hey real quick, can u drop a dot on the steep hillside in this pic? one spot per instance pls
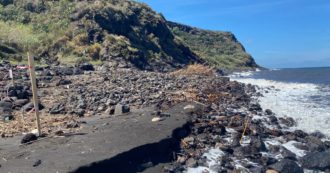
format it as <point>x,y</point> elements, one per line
<point>70,31</point>
<point>218,48</point>
<point>122,31</point>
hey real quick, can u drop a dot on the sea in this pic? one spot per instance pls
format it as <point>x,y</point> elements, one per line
<point>300,93</point>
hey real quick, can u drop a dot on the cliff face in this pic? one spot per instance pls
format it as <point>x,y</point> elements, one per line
<point>220,49</point>
<point>72,31</point>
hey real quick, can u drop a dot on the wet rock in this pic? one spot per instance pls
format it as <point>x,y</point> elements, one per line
<point>220,130</point>
<point>274,148</point>
<point>300,133</point>
<point>272,119</point>
<point>28,138</point>
<point>257,144</point>
<point>268,112</point>
<point>255,107</point>
<point>243,152</point>
<point>318,134</point>
<point>316,161</point>
<point>266,161</point>
<point>288,121</point>
<point>287,154</point>
<point>315,144</point>
<point>286,166</point>
<point>236,140</point>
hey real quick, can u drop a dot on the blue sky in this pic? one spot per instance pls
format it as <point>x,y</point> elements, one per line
<point>277,33</point>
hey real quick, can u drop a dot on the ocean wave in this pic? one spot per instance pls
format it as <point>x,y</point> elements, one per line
<point>294,100</point>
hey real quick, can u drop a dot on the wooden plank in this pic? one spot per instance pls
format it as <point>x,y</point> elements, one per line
<point>34,91</point>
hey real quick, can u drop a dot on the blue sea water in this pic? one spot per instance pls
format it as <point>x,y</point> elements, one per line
<point>301,93</point>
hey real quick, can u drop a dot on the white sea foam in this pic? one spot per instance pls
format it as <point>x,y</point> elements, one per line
<point>293,100</point>
<point>290,146</point>
<point>212,157</point>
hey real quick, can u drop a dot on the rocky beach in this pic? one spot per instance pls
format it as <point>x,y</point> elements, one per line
<point>121,89</point>
<point>217,112</point>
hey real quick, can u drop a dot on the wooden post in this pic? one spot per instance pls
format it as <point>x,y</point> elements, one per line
<point>11,76</point>
<point>34,91</point>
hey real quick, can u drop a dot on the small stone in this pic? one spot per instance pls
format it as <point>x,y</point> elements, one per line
<point>271,171</point>
<point>59,133</point>
<point>125,109</point>
<point>110,110</point>
<point>37,163</point>
<point>156,119</point>
<point>8,118</point>
<point>28,138</point>
<point>34,131</point>
<point>80,112</point>
<point>181,159</point>
<point>191,162</point>
<point>72,124</point>
<point>188,139</point>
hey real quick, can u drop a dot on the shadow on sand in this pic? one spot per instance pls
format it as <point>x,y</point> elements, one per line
<point>140,158</point>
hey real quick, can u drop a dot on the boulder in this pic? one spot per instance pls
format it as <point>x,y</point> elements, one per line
<point>286,166</point>
<point>63,82</point>
<point>257,144</point>
<point>316,161</point>
<point>287,154</point>
<point>28,107</point>
<point>20,102</point>
<point>28,138</point>
<point>5,107</point>
<point>268,112</point>
<point>86,67</point>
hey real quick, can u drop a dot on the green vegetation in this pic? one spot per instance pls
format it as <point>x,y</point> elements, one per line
<point>220,49</point>
<point>69,32</point>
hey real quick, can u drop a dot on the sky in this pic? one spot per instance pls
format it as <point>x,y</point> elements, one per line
<point>277,33</point>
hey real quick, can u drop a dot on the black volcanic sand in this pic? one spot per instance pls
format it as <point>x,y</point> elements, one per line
<point>123,143</point>
<point>108,142</point>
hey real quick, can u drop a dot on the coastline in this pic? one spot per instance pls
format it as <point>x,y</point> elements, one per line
<point>216,122</point>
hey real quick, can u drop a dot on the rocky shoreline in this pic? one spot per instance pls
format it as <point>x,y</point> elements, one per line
<point>223,108</point>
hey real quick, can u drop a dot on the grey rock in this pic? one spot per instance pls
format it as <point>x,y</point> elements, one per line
<point>28,138</point>
<point>125,109</point>
<point>57,109</point>
<point>287,154</point>
<point>287,166</point>
<point>37,163</point>
<point>191,162</point>
<point>317,161</point>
